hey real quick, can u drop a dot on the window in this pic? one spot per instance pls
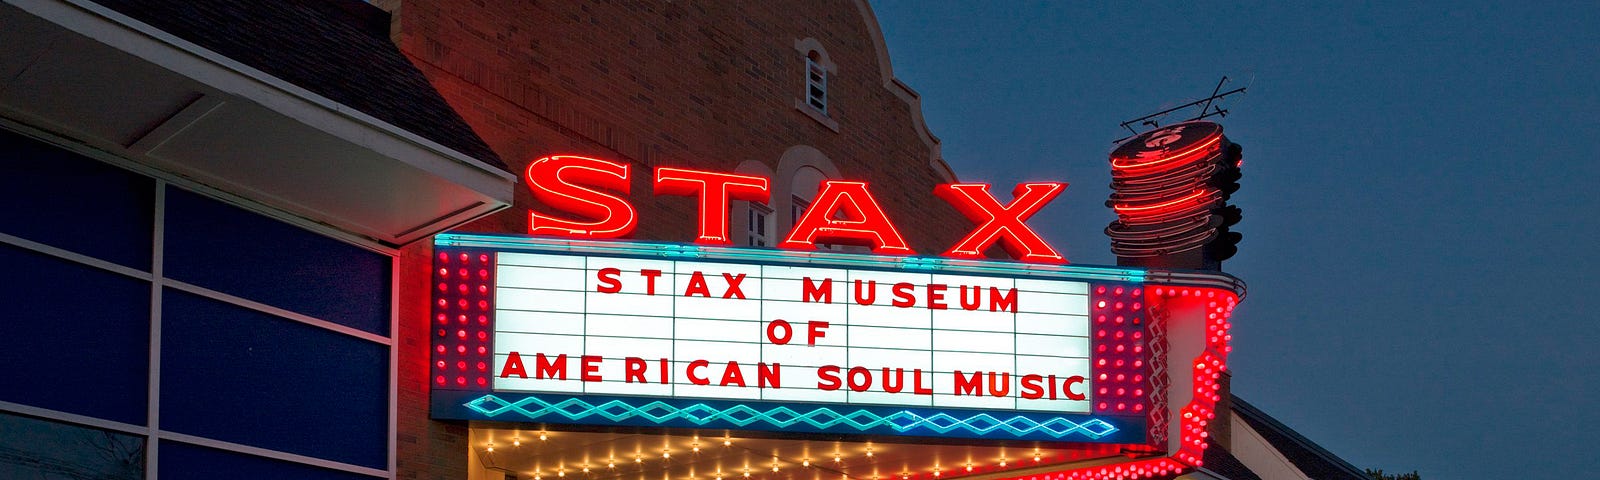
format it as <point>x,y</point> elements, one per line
<point>819,71</point>
<point>279,321</point>
<point>43,449</point>
<point>816,83</point>
<point>797,208</point>
<point>758,233</point>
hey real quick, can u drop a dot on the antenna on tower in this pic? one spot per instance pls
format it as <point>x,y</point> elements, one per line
<point>1207,109</point>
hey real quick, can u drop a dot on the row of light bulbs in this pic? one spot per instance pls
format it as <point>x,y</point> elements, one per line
<point>728,442</point>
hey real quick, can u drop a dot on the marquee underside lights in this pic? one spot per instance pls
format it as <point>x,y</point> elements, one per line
<point>591,198</point>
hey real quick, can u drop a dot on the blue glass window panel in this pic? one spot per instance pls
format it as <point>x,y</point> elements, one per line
<point>234,251</point>
<point>181,461</point>
<point>68,201</point>
<point>242,376</point>
<point>41,449</point>
<point>73,338</point>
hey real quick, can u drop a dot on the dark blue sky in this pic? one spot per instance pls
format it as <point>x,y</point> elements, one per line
<point>1421,218</point>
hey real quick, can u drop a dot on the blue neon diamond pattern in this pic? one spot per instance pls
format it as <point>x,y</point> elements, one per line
<point>781,416</point>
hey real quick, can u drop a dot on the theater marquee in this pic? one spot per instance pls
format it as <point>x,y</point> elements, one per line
<point>665,335</point>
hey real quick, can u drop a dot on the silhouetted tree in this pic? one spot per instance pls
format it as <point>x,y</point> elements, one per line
<point>1377,474</point>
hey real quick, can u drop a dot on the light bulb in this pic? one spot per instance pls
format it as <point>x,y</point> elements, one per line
<point>516,441</point>
<point>491,447</point>
<point>543,437</point>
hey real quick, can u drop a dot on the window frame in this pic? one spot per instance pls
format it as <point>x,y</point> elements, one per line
<point>151,431</point>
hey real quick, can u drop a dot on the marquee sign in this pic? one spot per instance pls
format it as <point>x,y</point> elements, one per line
<point>663,335</point>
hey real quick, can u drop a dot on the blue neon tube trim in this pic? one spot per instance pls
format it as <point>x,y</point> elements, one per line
<point>822,418</point>
<point>679,251</point>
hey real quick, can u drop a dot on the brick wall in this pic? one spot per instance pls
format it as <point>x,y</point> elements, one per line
<point>703,84</point>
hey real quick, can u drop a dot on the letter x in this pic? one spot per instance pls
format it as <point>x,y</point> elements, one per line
<point>1001,223</point>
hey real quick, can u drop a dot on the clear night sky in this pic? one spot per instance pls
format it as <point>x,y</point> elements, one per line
<point>1421,213</point>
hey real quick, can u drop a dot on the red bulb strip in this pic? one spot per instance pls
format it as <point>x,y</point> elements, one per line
<point>463,317</point>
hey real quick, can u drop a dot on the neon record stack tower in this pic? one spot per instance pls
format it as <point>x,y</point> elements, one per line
<point>1169,191</point>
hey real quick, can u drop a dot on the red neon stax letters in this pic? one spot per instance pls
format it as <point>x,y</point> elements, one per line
<point>714,189</point>
<point>1001,223</point>
<point>864,222</point>
<point>844,212</point>
<point>557,181</point>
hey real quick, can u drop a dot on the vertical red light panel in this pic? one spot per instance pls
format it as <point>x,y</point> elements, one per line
<point>463,316</point>
<point>1121,355</point>
<point>1206,369</point>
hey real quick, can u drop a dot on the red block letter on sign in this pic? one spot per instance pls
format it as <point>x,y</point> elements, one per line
<point>566,183</point>
<point>714,189</point>
<point>1001,223</point>
<point>864,222</point>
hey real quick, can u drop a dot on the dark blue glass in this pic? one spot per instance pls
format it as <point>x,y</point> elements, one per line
<point>230,250</point>
<point>62,199</point>
<point>184,461</point>
<point>73,338</point>
<point>243,376</point>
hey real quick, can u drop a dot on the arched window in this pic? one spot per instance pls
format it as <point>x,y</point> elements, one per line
<point>816,100</point>
<point>816,83</point>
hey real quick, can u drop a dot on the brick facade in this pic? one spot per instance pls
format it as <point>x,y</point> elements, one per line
<point>711,85</point>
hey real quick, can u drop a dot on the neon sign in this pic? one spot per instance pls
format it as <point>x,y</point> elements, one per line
<point>844,212</point>
<point>641,334</point>
<point>1164,192</point>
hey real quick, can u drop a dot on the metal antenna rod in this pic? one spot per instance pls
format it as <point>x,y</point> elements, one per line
<point>1212,97</point>
<point>1207,105</point>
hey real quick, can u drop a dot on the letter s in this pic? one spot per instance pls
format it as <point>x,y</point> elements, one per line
<point>564,182</point>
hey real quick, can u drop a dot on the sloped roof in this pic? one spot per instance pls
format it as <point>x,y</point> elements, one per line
<point>1313,460</point>
<point>338,49</point>
<point>1223,463</point>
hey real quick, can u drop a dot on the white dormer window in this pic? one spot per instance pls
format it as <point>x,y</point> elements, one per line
<point>816,83</point>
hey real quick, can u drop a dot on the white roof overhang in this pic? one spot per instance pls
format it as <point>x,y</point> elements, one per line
<point>91,75</point>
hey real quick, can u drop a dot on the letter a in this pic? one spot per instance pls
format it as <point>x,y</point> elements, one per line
<point>864,222</point>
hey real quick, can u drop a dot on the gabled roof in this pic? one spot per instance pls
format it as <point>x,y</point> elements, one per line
<point>1313,460</point>
<point>1220,461</point>
<point>338,49</point>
